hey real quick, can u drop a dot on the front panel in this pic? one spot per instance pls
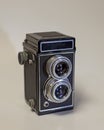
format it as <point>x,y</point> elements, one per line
<point>43,77</point>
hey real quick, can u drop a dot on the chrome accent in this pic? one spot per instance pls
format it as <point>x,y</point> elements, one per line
<point>30,61</point>
<point>46,104</point>
<point>52,85</point>
<point>31,103</point>
<point>53,61</point>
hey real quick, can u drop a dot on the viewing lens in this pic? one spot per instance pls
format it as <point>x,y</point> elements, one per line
<point>61,68</point>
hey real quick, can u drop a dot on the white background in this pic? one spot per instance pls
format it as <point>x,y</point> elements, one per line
<point>83,19</point>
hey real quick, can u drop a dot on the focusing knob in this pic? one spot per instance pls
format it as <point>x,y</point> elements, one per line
<point>22,57</point>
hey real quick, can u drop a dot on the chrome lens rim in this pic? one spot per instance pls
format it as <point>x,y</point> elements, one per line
<point>53,62</point>
<point>51,87</point>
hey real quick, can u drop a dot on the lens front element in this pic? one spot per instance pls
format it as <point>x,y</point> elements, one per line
<point>61,91</point>
<point>61,68</point>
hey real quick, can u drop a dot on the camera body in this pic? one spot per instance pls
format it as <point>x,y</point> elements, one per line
<point>49,62</point>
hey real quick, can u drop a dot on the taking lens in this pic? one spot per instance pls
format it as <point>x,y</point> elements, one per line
<point>57,90</point>
<point>61,91</point>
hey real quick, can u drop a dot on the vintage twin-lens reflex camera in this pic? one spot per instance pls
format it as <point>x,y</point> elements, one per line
<point>49,60</point>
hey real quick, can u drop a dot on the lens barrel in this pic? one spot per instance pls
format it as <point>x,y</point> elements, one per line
<point>59,67</point>
<point>57,91</point>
